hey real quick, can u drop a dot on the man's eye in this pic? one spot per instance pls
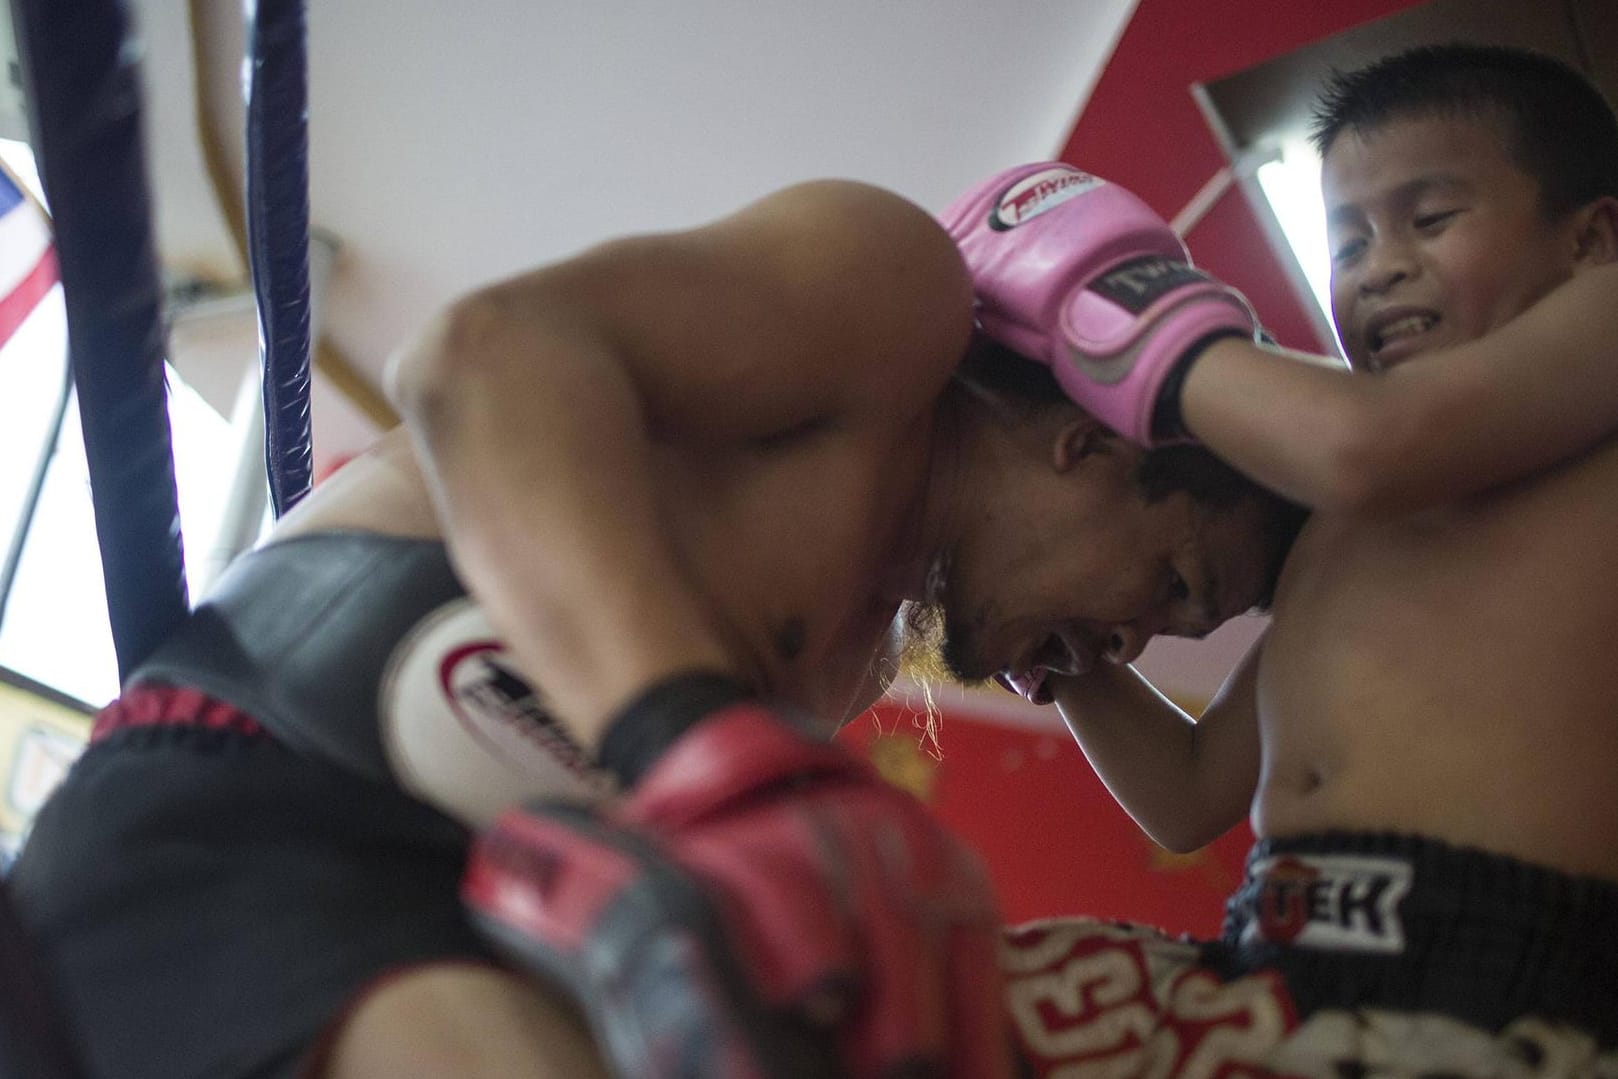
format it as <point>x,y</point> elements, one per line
<point>1179,591</point>
<point>1426,222</point>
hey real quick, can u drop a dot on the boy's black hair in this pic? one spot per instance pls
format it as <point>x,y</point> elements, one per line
<point>1558,127</point>
<point>1004,373</point>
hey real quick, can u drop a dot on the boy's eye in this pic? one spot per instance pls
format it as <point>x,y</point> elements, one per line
<point>1345,250</point>
<point>1431,221</point>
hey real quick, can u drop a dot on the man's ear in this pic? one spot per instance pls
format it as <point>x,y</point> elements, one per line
<point>1080,437</point>
<point>1596,233</point>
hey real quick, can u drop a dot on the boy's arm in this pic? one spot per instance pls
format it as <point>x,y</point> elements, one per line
<point>1081,275</point>
<point>1540,389</point>
<point>1185,781</point>
<point>539,408</point>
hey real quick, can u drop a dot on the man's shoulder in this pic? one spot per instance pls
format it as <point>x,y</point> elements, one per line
<point>817,305</point>
<point>854,235</point>
<point>861,209</point>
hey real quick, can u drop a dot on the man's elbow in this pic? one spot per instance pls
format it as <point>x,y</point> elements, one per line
<point>422,378</point>
<point>1183,838</point>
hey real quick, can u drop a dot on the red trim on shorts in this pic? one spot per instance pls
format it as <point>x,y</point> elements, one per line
<point>171,706</point>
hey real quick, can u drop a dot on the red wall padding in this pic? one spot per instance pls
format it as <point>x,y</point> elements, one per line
<point>1142,129</point>
<point>1055,841</point>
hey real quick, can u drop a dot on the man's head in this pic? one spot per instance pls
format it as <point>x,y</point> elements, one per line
<point>1462,183</point>
<point>1078,546</point>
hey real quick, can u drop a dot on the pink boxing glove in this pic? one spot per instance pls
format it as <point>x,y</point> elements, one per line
<point>1078,273</point>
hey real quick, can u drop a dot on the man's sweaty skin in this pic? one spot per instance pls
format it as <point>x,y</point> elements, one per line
<point>784,522</point>
<point>743,458</point>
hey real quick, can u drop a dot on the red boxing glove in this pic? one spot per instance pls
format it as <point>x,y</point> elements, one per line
<point>760,905</point>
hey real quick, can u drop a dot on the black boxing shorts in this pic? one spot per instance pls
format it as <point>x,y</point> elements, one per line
<point>1342,955</point>
<point>232,862</point>
<point>364,650</point>
<point>206,900</point>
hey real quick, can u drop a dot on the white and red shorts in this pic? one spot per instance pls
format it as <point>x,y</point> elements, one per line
<point>1342,955</point>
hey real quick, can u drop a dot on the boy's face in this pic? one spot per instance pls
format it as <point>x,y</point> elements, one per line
<point>1437,237</point>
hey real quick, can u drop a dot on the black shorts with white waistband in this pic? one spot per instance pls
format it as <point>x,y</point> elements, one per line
<point>208,901</point>
<point>1357,920</point>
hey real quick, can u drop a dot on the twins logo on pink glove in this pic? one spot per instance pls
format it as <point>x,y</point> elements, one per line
<point>1079,274</point>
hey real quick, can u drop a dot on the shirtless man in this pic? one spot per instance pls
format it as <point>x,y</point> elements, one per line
<point>1425,738</point>
<point>689,479</point>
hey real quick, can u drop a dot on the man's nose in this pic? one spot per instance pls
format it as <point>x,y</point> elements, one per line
<point>1127,641</point>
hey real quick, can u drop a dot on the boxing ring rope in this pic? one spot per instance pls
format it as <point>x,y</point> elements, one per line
<point>79,66</point>
<point>85,114</point>
<point>278,237</point>
<point>79,60</point>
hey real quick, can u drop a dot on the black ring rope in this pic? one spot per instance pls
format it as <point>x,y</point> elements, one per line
<point>79,66</point>
<point>79,63</point>
<point>278,237</point>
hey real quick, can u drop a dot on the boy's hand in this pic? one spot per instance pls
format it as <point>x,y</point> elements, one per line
<point>1080,274</point>
<point>760,905</point>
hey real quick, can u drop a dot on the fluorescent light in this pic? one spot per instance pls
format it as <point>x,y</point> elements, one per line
<point>1291,183</point>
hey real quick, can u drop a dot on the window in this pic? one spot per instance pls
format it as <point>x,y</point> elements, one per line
<point>55,629</point>
<point>1264,112</point>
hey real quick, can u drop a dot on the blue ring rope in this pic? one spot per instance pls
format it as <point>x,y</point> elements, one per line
<point>278,237</point>
<point>79,61</point>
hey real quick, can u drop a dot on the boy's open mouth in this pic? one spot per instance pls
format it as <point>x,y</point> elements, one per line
<point>1384,334</point>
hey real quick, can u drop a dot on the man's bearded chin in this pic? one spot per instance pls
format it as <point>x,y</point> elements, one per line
<point>937,647</point>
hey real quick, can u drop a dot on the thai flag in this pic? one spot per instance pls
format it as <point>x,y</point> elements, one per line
<point>27,259</point>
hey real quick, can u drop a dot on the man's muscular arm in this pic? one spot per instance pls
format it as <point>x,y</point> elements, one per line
<point>1538,390</point>
<point>1185,781</point>
<point>538,406</point>
<point>758,902</point>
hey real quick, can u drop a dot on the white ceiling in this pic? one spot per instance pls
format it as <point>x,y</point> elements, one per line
<point>455,143</point>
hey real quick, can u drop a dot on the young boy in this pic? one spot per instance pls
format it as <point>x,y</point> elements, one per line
<point>1425,739</point>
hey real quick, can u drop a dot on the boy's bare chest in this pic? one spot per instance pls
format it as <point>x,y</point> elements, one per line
<point>1536,550</point>
<point>1419,669</point>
